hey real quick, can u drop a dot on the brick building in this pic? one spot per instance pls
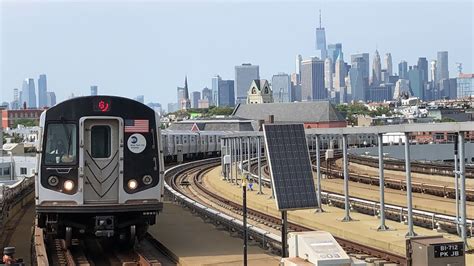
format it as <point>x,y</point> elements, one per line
<point>10,117</point>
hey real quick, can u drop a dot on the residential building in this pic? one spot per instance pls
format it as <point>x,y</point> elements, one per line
<point>281,87</point>
<point>203,103</point>
<point>244,75</point>
<point>94,90</point>
<point>465,85</point>
<point>259,92</point>
<point>42,91</point>
<point>402,89</point>
<point>312,80</point>
<point>215,89</point>
<point>448,88</point>
<point>28,94</point>
<point>15,104</point>
<point>195,97</point>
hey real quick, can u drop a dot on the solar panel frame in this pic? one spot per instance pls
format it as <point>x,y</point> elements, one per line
<point>290,166</point>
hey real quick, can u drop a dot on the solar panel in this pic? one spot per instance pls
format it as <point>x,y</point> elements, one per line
<point>290,167</point>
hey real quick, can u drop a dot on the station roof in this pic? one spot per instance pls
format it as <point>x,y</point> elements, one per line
<point>296,112</point>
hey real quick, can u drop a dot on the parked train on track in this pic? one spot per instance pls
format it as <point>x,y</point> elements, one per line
<point>100,169</point>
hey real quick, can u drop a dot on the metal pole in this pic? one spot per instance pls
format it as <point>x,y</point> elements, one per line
<point>236,159</point>
<point>456,183</point>
<point>241,160</point>
<point>347,216</point>
<point>382,226</point>
<point>462,175</point>
<point>284,230</point>
<point>248,154</point>
<point>244,216</point>
<point>318,172</point>
<point>259,165</point>
<point>410,232</point>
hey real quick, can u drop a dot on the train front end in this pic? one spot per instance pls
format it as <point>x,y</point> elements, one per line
<point>100,169</point>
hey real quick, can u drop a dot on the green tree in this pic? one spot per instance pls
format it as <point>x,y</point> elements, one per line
<point>26,122</point>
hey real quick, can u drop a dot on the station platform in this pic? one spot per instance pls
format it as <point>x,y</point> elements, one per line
<point>196,242</point>
<point>362,230</point>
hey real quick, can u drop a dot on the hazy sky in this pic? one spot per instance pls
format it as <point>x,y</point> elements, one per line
<point>129,48</point>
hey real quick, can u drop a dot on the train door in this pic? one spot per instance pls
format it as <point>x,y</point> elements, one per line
<point>101,154</point>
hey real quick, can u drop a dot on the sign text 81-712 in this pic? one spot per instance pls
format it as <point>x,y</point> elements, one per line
<point>448,250</point>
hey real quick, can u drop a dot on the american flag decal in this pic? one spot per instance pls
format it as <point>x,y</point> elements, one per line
<point>136,125</point>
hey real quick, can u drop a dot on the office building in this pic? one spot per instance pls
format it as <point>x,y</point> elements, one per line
<point>447,88</point>
<point>321,40</point>
<point>402,89</point>
<point>340,73</point>
<point>259,92</point>
<point>312,80</point>
<point>203,103</point>
<point>226,93</point>
<point>299,59</point>
<point>180,94</point>
<point>28,93</point>
<point>173,107</point>
<point>328,70</point>
<point>207,94</point>
<point>465,85</point>
<point>423,67</point>
<point>281,87</point>
<point>244,75</point>
<point>15,104</point>
<point>215,89</point>
<point>442,66</point>
<point>333,52</point>
<point>376,70</point>
<point>295,87</point>
<point>403,69</point>
<point>51,98</point>
<point>381,93</point>
<point>415,76</point>
<point>94,90</point>
<point>356,92</point>
<point>388,63</point>
<point>42,91</point>
<point>195,97</point>
<point>363,64</point>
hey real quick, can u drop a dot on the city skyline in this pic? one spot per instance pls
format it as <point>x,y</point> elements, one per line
<point>202,66</point>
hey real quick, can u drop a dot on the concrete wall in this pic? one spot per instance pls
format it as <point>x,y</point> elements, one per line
<point>428,152</point>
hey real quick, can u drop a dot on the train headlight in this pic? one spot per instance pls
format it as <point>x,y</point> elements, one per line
<point>53,180</point>
<point>147,179</point>
<point>68,185</point>
<point>132,184</point>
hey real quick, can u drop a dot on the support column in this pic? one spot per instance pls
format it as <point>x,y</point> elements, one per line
<point>347,216</point>
<point>259,165</point>
<point>456,183</point>
<point>318,172</point>
<point>410,232</point>
<point>241,160</point>
<point>382,226</point>
<point>236,161</point>
<point>248,154</point>
<point>462,199</point>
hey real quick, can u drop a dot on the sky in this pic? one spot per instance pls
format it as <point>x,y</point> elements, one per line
<point>131,48</point>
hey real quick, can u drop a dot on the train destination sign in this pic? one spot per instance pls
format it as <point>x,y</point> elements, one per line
<point>448,250</point>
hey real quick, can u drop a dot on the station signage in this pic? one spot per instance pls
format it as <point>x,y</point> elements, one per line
<point>448,250</point>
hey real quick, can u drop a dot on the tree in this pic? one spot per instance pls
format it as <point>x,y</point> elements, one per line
<point>26,122</point>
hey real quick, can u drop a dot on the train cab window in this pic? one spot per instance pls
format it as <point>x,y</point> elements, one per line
<point>100,141</point>
<point>61,140</point>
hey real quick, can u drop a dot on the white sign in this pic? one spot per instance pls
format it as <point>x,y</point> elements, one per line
<point>136,143</point>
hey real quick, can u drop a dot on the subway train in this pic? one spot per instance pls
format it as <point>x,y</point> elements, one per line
<point>100,169</point>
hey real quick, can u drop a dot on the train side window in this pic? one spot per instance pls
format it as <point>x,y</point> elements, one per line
<point>100,141</point>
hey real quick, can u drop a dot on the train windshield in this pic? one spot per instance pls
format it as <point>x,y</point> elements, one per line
<point>61,142</point>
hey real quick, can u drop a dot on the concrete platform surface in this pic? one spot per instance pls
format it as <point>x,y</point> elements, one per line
<point>362,230</point>
<point>196,242</point>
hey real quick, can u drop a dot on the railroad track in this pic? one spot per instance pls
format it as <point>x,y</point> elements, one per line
<point>191,175</point>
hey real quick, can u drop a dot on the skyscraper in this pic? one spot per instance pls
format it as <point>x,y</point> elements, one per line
<point>140,98</point>
<point>244,75</point>
<point>31,103</point>
<point>226,93</point>
<point>180,94</point>
<point>94,90</point>
<point>363,65</point>
<point>51,98</point>
<point>42,91</point>
<point>328,74</point>
<point>357,80</point>
<point>195,97</point>
<point>207,95</point>
<point>295,87</point>
<point>388,64</point>
<point>416,83</point>
<point>15,104</point>
<point>340,73</point>
<point>281,87</point>
<point>312,80</point>
<point>442,66</point>
<point>423,67</point>
<point>376,70</point>
<point>333,53</point>
<point>215,89</point>
<point>299,59</point>
<point>321,40</point>
<point>403,69</point>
